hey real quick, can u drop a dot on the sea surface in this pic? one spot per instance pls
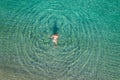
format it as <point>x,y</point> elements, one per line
<point>88,45</point>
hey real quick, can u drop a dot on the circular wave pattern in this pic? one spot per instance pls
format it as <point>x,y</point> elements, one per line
<point>78,44</point>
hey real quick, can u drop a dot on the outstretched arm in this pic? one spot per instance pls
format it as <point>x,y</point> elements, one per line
<point>50,36</point>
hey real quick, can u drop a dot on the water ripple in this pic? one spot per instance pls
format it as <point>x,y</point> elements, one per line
<point>79,48</point>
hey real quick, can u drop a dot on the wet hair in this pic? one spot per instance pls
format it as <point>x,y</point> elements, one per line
<point>55,34</point>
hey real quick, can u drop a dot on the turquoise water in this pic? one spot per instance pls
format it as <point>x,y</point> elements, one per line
<point>88,44</point>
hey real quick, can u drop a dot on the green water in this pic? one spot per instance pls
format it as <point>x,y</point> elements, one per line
<point>88,44</point>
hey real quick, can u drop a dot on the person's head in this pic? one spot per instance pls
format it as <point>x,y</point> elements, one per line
<point>55,34</point>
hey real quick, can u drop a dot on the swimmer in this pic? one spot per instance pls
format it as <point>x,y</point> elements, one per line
<point>54,37</point>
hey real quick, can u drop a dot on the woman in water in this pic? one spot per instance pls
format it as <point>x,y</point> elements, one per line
<point>54,38</point>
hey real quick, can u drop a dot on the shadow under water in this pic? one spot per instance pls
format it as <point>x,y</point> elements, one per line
<point>55,28</point>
